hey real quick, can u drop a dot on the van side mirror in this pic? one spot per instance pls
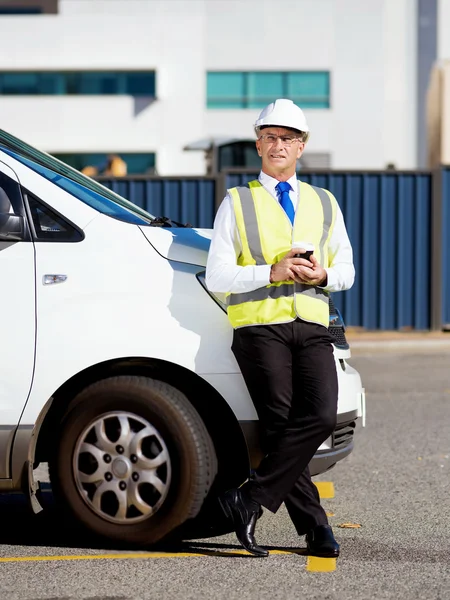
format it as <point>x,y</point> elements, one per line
<point>12,227</point>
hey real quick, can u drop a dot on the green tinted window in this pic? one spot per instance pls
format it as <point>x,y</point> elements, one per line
<point>256,89</point>
<point>263,88</point>
<point>311,90</point>
<point>225,90</point>
<point>135,83</point>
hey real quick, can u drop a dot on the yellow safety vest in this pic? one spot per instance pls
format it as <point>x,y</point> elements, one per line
<point>266,235</point>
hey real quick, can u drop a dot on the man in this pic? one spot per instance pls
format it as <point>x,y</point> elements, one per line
<point>278,307</point>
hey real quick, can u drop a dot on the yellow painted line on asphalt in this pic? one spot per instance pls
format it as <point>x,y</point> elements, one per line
<point>98,556</point>
<point>325,488</point>
<point>320,565</point>
<point>145,555</point>
<point>313,563</point>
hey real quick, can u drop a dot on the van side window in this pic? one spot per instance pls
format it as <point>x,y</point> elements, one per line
<point>11,191</point>
<point>50,226</point>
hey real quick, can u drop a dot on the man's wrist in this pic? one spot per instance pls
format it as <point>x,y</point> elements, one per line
<point>271,274</point>
<point>324,282</point>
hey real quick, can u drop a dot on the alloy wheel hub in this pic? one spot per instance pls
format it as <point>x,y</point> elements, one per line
<point>122,467</point>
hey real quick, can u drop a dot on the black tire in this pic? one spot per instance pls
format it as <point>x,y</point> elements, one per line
<point>192,459</point>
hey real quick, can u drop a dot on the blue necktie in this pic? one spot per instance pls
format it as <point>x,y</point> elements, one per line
<point>283,194</point>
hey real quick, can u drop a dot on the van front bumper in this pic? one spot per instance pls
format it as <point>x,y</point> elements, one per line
<point>338,446</point>
<point>324,460</point>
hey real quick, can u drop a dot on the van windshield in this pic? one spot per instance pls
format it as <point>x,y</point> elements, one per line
<point>74,182</point>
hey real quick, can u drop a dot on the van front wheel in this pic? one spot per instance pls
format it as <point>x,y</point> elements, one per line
<point>134,459</point>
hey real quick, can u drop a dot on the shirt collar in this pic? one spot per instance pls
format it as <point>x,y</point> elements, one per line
<point>270,182</point>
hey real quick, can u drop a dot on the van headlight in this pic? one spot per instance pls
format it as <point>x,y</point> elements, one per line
<point>218,298</point>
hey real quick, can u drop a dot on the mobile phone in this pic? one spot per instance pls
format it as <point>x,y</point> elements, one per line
<point>305,255</point>
<point>309,248</point>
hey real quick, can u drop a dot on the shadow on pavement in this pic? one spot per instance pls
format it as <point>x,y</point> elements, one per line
<point>212,549</point>
<point>22,527</point>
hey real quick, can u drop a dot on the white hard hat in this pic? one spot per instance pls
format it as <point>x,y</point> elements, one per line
<point>283,113</point>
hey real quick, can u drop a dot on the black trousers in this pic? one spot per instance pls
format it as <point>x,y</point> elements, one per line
<point>290,373</point>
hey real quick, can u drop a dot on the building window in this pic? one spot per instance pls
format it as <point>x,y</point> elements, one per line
<point>111,163</point>
<point>135,83</point>
<point>256,89</point>
<point>20,10</point>
<point>28,7</point>
<point>241,154</point>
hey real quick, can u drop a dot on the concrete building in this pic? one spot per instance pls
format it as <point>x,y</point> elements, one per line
<point>146,79</point>
<point>438,96</point>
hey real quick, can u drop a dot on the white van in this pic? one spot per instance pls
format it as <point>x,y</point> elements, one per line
<point>115,361</point>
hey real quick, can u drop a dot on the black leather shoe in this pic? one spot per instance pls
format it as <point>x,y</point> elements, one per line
<point>321,542</point>
<point>244,514</point>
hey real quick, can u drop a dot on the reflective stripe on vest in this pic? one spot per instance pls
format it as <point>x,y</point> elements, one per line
<point>266,236</point>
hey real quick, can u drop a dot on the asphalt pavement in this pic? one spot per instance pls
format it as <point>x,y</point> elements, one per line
<point>389,512</point>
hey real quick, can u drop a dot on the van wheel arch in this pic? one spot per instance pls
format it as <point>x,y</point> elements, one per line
<point>221,422</point>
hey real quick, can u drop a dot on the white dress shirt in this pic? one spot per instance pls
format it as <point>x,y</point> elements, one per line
<point>223,274</point>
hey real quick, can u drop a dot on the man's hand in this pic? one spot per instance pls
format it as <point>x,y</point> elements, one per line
<point>285,269</point>
<point>290,268</point>
<point>315,275</point>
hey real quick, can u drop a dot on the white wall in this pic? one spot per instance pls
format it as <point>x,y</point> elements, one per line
<point>358,84</point>
<point>368,48</point>
<point>160,39</point>
<point>445,115</point>
<point>263,34</point>
<point>443,49</point>
<point>399,53</point>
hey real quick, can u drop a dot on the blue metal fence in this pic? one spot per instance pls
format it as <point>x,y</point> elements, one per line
<point>183,199</point>
<point>389,221</point>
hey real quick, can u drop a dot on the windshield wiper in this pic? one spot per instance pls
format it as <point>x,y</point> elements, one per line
<point>166,222</point>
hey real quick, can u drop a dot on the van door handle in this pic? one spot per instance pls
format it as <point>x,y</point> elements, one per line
<point>53,278</point>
